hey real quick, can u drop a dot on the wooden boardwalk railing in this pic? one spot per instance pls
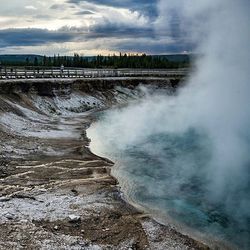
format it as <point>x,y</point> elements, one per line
<point>43,72</point>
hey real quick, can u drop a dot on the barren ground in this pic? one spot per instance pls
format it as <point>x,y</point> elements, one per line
<point>56,194</point>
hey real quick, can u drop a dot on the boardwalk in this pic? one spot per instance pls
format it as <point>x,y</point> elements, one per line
<point>42,72</point>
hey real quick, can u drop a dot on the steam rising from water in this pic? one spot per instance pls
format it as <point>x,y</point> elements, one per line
<point>215,103</point>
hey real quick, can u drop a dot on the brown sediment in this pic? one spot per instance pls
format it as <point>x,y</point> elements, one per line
<point>56,194</point>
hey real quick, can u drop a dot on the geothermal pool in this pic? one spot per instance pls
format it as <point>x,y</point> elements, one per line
<point>167,173</point>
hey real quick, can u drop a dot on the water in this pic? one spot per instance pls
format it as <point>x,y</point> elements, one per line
<point>166,172</point>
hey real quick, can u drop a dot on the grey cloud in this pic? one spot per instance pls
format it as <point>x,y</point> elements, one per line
<point>153,46</point>
<point>147,7</point>
<point>138,38</point>
<point>58,7</point>
<point>84,12</point>
<point>120,31</point>
<point>29,37</point>
<point>46,17</point>
<point>122,38</point>
<point>107,29</point>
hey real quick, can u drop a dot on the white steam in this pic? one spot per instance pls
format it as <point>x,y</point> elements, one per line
<point>215,100</point>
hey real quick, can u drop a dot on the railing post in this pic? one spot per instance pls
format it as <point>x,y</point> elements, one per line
<point>11,72</point>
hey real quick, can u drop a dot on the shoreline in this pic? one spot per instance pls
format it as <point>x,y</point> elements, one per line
<point>163,219</point>
<point>54,192</point>
<point>144,212</point>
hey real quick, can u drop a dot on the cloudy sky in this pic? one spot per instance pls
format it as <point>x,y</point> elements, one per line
<point>89,27</point>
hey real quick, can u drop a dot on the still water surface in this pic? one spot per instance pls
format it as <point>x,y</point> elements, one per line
<point>167,173</point>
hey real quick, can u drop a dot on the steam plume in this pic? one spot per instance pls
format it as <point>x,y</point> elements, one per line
<point>215,100</point>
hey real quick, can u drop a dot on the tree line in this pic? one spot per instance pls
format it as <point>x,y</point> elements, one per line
<point>112,61</point>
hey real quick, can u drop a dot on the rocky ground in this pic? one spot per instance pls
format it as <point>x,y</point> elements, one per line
<point>54,192</point>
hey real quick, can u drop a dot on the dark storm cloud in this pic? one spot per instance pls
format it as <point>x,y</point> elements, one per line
<point>122,35</point>
<point>30,37</point>
<point>147,7</point>
<point>136,39</point>
<point>109,29</point>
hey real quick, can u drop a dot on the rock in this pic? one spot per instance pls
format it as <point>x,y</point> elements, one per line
<point>9,216</point>
<point>74,192</point>
<point>74,218</point>
<point>24,221</point>
<point>43,190</point>
<point>56,227</point>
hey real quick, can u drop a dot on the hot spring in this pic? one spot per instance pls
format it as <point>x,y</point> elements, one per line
<point>168,171</point>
